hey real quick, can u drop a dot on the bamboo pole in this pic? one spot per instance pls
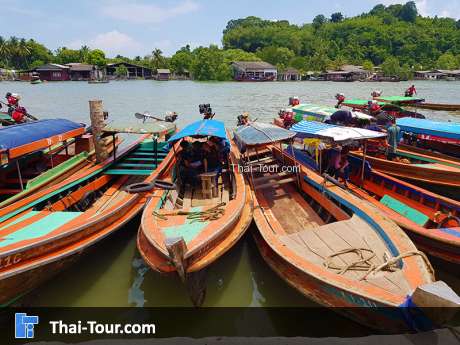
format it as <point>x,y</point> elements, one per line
<point>96,113</point>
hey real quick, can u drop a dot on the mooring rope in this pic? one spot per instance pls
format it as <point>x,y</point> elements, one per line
<point>364,264</point>
<point>210,214</point>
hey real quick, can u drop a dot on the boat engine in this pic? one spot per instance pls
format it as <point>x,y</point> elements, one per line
<point>293,101</point>
<point>206,111</point>
<point>376,93</point>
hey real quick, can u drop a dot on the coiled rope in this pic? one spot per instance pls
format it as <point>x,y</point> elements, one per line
<point>363,263</point>
<point>210,214</point>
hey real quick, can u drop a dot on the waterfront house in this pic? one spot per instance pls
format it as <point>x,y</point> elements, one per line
<point>348,73</point>
<point>53,72</point>
<point>437,74</point>
<point>134,71</point>
<point>163,74</point>
<point>81,71</point>
<point>254,71</point>
<point>289,74</point>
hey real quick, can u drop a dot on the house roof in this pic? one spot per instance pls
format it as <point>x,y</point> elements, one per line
<point>348,69</point>
<point>77,66</point>
<point>291,70</point>
<point>127,64</point>
<point>253,65</point>
<point>51,67</point>
<point>163,71</point>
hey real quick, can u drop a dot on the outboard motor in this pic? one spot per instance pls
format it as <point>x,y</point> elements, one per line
<point>376,93</point>
<point>206,111</point>
<point>171,116</point>
<point>293,101</point>
<point>340,97</point>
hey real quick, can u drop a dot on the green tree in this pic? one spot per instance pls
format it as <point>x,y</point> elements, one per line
<point>276,55</point>
<point>391,67</point>
<point>318,21</point>
<point>121,72</point>
<point>97,57</point>
<point>65,55</point>
<point>408,12</point>
<point>447,61</point>
<point>336,17</point>
<point>158,60</point>
<point>181,61</point>
<point>368,65</point>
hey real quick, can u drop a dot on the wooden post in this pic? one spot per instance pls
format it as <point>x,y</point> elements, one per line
<point>96,113</point>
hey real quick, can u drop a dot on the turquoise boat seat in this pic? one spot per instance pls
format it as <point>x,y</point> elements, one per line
<point>405,210</point>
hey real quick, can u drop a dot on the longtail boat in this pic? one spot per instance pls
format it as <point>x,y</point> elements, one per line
<point>44,232</point>
<point>391,109</point>
<point>438,106</point>
<point>337,249</point>
<point>417,167</point>
<point>37,154</point>
<point>187,228</point>
<point>400,100</point>
<point>314,112</point>
<point>432,221</point>
<point>443,137</point>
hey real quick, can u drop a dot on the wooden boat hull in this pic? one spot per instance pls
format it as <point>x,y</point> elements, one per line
<point>445,151</point>
<point>434,174</point>
<point>228,230</point>
<point>438,106</point>
<point>65,239</point>
<point>378,309</point>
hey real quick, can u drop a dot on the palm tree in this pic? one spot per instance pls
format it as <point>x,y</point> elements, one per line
<point>23,51</point>
<point>84,51</point>
<point>4,51</point>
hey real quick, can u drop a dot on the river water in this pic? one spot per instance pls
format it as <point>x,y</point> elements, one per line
<point>113,274</point>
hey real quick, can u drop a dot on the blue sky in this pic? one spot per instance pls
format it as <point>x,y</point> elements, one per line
<point>135,27</point>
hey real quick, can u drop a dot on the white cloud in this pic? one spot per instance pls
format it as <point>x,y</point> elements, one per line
<point>147,13</point>
<point>112,43</point>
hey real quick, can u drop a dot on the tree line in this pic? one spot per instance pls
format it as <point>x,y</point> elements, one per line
<point>394,37</point>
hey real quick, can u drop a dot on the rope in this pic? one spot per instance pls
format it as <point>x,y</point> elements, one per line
<point>211,214</point>
<point>363,263</point>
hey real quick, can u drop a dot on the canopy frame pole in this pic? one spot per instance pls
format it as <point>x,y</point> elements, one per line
<point>66,145</point>
<point>320,159</point>
<point>114,146</point>
<point>295,163</point>
<point>51,158</point>
<point>155,148</point>
<point>19,174</point>
<point>363,163</point>
<point>281,151</point>
<point>250,170</point>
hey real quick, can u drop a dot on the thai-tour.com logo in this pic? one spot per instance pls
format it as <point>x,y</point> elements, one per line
<point>24,325</point>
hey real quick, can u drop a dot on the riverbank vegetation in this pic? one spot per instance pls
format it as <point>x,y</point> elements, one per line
<point>394,37</point>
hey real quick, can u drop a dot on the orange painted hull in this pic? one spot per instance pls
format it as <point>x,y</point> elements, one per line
<point>214,241</point>
<point>321,285</point>
<point>34,260</point>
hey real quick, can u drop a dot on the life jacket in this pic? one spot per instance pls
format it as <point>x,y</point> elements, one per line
<point>374,108</point>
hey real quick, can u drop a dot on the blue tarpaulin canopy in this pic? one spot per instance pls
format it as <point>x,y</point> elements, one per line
<point>260,134</point>
<point>212,128</point>
<point>19,135</point>
<point>449,130</point>
<point>339,134</point>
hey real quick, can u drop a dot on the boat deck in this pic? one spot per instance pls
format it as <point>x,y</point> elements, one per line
<point>307,235</point>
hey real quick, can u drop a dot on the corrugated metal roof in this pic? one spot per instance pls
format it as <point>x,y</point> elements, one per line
<point>51,67</point>
<point>253,65</point>
<point>163,71</point>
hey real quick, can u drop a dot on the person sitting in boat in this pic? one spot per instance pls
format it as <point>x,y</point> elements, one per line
<point>338,165</point>
<point>341,117</point>
<point>393,138</point>
<point>340,97</point>
<point>184,162</point>
<point>411,91</point>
